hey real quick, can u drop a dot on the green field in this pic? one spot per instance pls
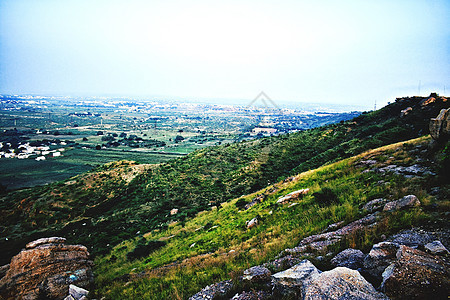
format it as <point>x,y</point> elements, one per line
<point>20,173</point>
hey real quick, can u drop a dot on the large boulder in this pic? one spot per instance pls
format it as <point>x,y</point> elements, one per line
<point>440,126</point>
<point>293,281</point>
<point>405,202</point>
<point>341,283</point>
<point>45,269</point>
<point>413,238</point>
<point>417,275</point>
<point>349,258</point>
<point>257,274</point>
<point>380,256</point>
<point>219,289</point>
<point>436,247</point>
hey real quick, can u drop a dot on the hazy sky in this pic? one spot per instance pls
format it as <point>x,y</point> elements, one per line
<point>352,52</point>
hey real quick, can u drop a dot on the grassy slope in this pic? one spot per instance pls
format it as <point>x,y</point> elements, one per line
<point>197,253</point>
<point>113,210</point>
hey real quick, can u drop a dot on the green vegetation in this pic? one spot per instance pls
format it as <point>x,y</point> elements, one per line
<point>107,206</point>
<point>216,244</point>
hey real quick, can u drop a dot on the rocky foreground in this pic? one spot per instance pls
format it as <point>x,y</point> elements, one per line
<point>412,264</point>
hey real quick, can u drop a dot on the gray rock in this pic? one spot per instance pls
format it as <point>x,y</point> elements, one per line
<point>69,298</point>
<point>375,204</point>
<point>219,289</point>
<point>350,258</point>
<point>292,281</point>
<point>436,247</point>
<point>252,295</point>
<point>380,256</point>
<point>405,202</point>
<point>417,275</point>
<point>282,263</point>
<point>257,274</point>
<point>77,292</point>
<point>341,283</point>
<point>412,237</point>
<point>320,242</point>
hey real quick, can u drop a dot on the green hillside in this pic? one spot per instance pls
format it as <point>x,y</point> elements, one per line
<point>176,262</point>
<point>122,200</point>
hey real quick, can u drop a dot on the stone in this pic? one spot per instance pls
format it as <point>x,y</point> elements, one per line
<point>405,202</point>
<point>349,258</point>
<point>282,263</point>
<point>291,196</point>
<point>341,283</point>
<point>45,270</point>
<point>252,295</point>
<point>173,211</point>
<point>3,270</point>
<point>380,256</point>
<point>405,111</point>
<point>257,274</point>
<point>293,280</point>
<point>417,275</point>
<point>252,223</point>
<point>375,204</point>
<point>436,247</point>
<point>44,241</point>
<point>77,292</point>
<point>320,242</point>
<point>412,237</point>
<point>219,289</point>
<point>440,126</point>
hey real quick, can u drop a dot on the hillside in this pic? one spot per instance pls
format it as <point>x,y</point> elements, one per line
<point>218,245</point>
<point>122,200</point>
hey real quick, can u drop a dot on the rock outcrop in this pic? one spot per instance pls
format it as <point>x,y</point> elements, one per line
<point>405,202</point>
<point>341,283</point>
<point>219,289</point>
<point>45,269</point>
<point>349,258</point>
<point>417,275</point>
<point>292,196</point>
<point>440,126</point>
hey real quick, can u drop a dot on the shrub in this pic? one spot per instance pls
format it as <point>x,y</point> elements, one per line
<point>144,248</point>
<point>240,204</point>
<point>325,196</point>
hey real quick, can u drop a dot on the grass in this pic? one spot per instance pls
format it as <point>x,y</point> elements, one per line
<point>216,245</point>
<point>20,173</point>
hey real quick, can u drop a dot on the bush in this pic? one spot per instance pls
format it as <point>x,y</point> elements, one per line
<point>240,204</point>
<point>144,248</point>
<point>325,196</point>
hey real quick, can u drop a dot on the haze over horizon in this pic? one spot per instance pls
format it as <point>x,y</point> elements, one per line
<point>338,52</point>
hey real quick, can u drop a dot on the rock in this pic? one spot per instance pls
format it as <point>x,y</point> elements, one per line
<point>405,111</point>
<point>257,274</point>
<point>44,241</point>
<point>77,292</point>
<point>252,295</point>
<point>411,237</point>
<point>341,283</point>
<point>292,196</point>
<point>252,223</point>
<point>320,242</point>
<point>46,269</point>
<point>380,256</point>
<point>375,204</point>
<point>417,275</point>
<point>173,211</point>
<point>405,202</point>
<point>440,126</point>
<point>427,101</point>
<point>219,289</point>
<point>282,263</point>
<point>350,258</point>
<point>293,281</point>
<point>3,270</point>
<point>436,247</point>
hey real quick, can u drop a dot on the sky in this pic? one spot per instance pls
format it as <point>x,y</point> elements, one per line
<point>340,52</point>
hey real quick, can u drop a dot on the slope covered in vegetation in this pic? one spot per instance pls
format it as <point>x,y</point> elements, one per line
<point>176,262</point>
<point>114,207</point>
